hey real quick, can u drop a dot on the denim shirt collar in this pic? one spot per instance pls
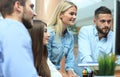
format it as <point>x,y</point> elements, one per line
<point>95,31</point>
<point>67,32</point>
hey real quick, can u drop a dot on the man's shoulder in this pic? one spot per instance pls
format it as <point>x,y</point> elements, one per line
<point>88,27</point>
<point>2,22</point>
<point>7,22</point>
<point>11,27</point>
<point>3,25</point>
<point>111,33</point>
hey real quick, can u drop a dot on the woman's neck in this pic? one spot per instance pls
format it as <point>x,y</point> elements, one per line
<point>64,27</point>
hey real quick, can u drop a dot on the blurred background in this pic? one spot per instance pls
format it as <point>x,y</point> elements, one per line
<point>85,13</point>
<point>85,16</point>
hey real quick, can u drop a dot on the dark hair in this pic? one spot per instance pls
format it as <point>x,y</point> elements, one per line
<point>39,49</point>
<point>6,6</point>
<point>102,10</point>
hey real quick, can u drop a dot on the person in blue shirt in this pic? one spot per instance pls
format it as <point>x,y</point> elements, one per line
<point>95,40</point>
<point>16,56</point>
<point>61,41</point>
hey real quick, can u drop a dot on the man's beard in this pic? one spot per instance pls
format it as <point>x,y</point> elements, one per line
<point>27,23</point>
<point>101,31</point>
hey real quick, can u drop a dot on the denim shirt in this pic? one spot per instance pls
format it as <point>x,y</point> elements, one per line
<point>89,45</point>
<point>57,50</point>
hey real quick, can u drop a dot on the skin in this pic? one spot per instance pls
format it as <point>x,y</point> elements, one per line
<point>28,14</point>
<point>103,24</point>
<point>46,36</point>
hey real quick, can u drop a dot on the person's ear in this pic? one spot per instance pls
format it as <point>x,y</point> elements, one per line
<point>94,21</point>
<point>17,6</point>
<point>61,15</point>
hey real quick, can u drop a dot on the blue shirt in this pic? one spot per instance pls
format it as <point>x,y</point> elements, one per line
<point>56,50</point>
<point>15,46</point>
<point>1,61</point>
<point>89,45</point>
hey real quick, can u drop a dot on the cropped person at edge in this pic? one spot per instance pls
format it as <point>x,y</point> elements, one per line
<point>95,40</point>
<point>15,41</point>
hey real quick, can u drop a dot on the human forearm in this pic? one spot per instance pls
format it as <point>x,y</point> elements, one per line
<point>71,73</point>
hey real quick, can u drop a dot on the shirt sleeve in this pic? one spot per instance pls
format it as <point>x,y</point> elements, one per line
<point>70,56</point>
<point>1,61</point>
<point>84,50</point>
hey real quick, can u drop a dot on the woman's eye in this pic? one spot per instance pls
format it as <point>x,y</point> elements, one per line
<point>72,13</point>
<point>45,30</point>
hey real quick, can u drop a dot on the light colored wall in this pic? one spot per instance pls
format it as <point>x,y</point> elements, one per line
<point>45,8</point>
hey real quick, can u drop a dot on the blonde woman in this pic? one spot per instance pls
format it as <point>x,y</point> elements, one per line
<point>61,41</point>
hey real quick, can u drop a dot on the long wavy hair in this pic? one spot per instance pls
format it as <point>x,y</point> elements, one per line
<point>55,21</point>
<point>39,49</point>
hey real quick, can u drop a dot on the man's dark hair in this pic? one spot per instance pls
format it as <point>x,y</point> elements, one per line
<point>102,10</point>
<point>6,6</point>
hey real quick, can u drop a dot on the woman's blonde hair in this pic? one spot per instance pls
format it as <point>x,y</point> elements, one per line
<point>55,21</point>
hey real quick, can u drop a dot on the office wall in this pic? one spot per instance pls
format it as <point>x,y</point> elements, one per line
<point>45,9</point>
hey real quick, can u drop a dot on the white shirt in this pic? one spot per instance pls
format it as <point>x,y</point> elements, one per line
<point>53,70</point>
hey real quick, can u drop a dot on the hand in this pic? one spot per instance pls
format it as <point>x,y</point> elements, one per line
<point>71,74</point>
<point>62,68</point>
<point>63,73</point>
